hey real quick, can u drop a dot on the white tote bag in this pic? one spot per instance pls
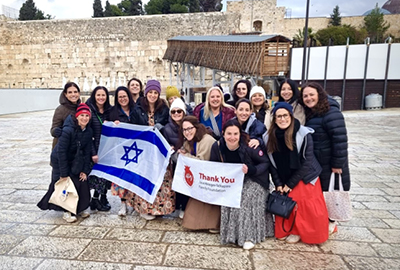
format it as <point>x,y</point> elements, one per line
<point>65,195</point>
<point>338,201</point>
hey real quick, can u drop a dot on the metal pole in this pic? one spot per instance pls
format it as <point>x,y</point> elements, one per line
<point>367,42</point>
<point>308,59</point>
<point>326,62</point>
<point>303,70</point>
<point>344,73</point>
<point>389,39</point>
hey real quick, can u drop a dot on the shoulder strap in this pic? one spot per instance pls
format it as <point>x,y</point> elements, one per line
<point>214,125</point>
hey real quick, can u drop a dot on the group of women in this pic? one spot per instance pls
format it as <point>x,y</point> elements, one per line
<point>300,143</point>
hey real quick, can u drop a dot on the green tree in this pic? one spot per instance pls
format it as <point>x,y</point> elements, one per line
<point>210,5</point>
<point>194,6</point>
<point>131,7</point>
<point>28,11</point>
<point>112,10</point>
<point>339,35</point>
<point>299,37</point>
<point>166,6</point>
<point>376,25</point>
<point>336,20</point>
<point>97,9</point>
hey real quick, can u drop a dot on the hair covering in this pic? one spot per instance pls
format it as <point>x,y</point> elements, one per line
<point>172,91</point>
<point>282,105</point>
<point>82,108</point>
<point>178,103</point>
<point>152,85</point>
<point>257,89</point>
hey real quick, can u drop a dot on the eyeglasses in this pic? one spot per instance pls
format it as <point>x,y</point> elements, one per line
<point>176,111</point>
<point>188,129</point>
<point>282,116</point>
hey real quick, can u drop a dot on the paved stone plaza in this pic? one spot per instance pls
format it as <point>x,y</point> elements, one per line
<point>34,239</point>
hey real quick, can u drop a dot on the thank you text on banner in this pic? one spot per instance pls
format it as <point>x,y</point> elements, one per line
<point>210,182</point>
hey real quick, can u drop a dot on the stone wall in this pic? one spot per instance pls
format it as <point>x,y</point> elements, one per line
<point>39,54</point>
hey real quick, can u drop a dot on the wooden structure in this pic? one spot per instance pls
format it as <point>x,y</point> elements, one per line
<point>253,55</point>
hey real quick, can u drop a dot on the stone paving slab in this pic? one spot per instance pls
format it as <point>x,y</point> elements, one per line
<point>35,239</point>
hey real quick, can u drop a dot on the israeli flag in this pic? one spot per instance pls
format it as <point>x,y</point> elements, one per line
<point>133,157</point>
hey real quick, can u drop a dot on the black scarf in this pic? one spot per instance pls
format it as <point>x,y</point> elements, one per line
<point>286,161</point>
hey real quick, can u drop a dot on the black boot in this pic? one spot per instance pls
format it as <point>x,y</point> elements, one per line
<point>104,201</point>
<point>95,204</point>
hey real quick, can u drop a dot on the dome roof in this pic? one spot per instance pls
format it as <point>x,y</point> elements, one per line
<point>384,11</point>
<point>393,6</point>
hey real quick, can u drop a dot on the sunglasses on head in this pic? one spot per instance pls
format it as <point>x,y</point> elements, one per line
<point>176,111</point>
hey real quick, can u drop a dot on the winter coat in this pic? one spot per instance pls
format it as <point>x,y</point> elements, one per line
<point>140,116</point>
<point>96,123</point>
<point>171,133</point>
<point>227,113</point>
<point>298,112</point>
<point>116,113</point>
<point>310,168</point>
<point>203,148</point>
<point>64,152</point>
<point>65,109</point>
<point>255,129</point>
<point>256,160</point>
<point>330,144</point>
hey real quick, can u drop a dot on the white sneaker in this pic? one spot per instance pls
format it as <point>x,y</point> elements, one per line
<point>332,227</point>
<point>85,214</point>
<point>213,231</point>
<point>122,210</point>
<point>292,239</point>
<point>69,218</point>
<point>181,214</point>
<point>248,245</point>
<point>282,238</point>
<point>147,216</point>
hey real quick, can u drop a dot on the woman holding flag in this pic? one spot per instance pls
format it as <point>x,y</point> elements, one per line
<point>249,224</point>
<point>153,111</point>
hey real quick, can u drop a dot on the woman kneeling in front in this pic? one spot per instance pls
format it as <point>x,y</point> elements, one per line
<point>249,224</point>
<point>290,149</point>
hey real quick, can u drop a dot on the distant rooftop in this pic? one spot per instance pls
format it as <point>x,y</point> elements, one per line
<point>382,10</point>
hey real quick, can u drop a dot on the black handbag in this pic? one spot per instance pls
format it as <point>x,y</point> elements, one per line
<point>280,204</point>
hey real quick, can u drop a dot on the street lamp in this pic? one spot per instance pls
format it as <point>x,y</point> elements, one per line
<point>303,70</point>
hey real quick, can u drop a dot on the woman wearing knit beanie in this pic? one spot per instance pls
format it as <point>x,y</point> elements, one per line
<point>172,93</point>
<point>153,111</point>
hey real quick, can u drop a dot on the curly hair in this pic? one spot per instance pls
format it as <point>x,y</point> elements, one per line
<point>201,130</point>
<point>321,107</point>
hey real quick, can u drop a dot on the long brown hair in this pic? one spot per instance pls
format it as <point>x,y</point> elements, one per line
<point>321,107</point>
<point>272,144</point>
<point>201,130</point>
<point>157,106</point>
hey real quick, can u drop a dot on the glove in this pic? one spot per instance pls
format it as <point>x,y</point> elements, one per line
<point>158,126</point>
<point>57,132</point>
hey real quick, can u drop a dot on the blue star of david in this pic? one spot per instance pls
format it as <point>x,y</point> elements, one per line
<point>126,155</point>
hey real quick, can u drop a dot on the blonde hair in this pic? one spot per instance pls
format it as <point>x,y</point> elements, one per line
<point>207,109</point>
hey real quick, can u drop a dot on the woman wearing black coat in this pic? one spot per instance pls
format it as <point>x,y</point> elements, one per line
<point>249,224</point>
<point>330,136</point>
<point>76,134</point>
<point>99,103</point>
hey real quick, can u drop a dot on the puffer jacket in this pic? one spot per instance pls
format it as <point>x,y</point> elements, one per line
<point>96,123</point>
<point>255,129</point>
<point>330,144</point>
<point>65,109</point>
<point>171,133</point>
<point>66,148</point>
<point>116,113</point>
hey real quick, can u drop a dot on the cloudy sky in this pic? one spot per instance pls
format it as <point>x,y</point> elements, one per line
<point>73,9</point>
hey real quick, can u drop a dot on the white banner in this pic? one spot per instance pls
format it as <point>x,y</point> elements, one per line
<point>210,182</point>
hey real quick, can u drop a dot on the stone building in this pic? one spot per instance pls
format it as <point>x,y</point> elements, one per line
<point>39,54</point>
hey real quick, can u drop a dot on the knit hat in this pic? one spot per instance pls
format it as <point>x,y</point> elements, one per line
<point>257,89</point>
<point>153,85</point>
<point>178,103</point>
<point>82,108</point>
<point>282,105</point>
<point>172,91</point>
